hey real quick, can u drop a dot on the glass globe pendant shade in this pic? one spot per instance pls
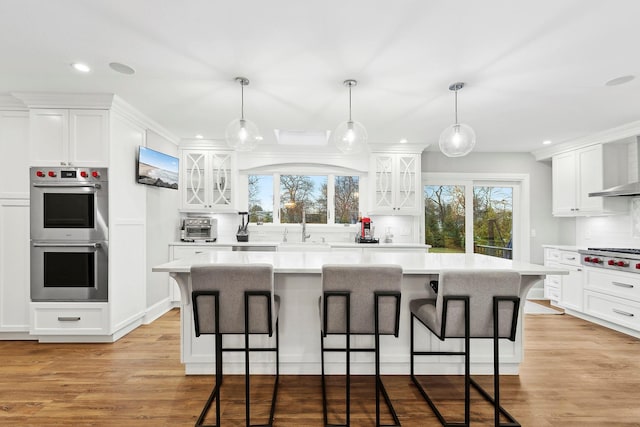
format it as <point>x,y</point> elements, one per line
<point>350,137</point>
<point>457,140</point>
<point>242,135</point>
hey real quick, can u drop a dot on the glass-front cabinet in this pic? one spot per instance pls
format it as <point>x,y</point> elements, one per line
<point>397,184</point>
<point>207,180</point>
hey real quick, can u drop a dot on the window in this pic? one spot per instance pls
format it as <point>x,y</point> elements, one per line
<point>303,194</point>
<point>492,223</point>
<point>261,198</point>
<point>324,199</point>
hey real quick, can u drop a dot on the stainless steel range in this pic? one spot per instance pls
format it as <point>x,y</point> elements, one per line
<point>620,259</point>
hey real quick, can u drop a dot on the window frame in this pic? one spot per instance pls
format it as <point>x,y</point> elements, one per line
<point>521,204</point>
<point>322,170</point>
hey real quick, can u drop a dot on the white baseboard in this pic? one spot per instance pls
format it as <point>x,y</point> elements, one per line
<point>157,310</point>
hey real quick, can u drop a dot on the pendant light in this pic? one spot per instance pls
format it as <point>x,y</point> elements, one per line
<point>350,137</point>
<point>458,139</point>
<point>242,134</point>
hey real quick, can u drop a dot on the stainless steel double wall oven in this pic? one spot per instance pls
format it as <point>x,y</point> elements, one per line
<point>69,234</point>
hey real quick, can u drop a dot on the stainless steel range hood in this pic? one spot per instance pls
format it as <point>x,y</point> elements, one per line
<point>630,189</point>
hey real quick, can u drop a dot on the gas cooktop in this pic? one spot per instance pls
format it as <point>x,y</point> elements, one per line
<point>617,250</point>
<point>621,259</point>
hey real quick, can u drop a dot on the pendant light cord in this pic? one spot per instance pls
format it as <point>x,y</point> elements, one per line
<point>456,103</point>
<point>241,101</point>
<point>350,103</point>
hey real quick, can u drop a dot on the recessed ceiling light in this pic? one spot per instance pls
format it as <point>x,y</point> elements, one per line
<point>620,80</point>
<point>546,142</point>
<point>198,136</point>
<point>79,66</point>
<point>121,68</point>
<point>403,141</point>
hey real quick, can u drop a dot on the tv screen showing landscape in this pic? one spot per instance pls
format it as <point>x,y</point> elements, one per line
<point>158,169</point>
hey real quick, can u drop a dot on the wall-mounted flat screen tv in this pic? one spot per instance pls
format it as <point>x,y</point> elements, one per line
<point>158,169</point>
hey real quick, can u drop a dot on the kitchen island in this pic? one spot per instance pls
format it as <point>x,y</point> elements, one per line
<point>298,282</point>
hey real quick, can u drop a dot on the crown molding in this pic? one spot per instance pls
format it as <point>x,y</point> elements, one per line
<point>624,133</point>
<point>11,103</point>
<point>65,100</point>
<point>120,106</point>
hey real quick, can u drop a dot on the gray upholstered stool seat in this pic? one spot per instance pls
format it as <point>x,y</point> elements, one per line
<point>469,304</point>
<point>235,299</point>
<point>359,300</point>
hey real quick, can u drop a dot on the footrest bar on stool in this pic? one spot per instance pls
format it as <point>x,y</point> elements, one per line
<point>512,421</point>
<point>396,420</point>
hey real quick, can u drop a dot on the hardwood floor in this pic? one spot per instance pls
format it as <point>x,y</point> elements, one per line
<point>574,374</point>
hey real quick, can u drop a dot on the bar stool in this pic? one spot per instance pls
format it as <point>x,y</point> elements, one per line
<point>470,304</point>
<point>359,300</point>
<point>235,299</point>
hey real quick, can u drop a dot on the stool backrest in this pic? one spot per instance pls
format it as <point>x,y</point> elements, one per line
<point>361,282</point>
<point>231,281</point>
<point>481,286</point>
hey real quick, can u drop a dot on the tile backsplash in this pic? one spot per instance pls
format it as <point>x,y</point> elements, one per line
<point>610,231</point>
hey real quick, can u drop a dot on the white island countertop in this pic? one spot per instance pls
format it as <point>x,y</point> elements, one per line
<point>312,262</point>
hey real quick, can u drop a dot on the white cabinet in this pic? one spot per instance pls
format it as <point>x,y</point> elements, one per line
<point>207,180</point>
<point>571,293</point>
<point>396,184</point>
<point>14,225</point>
<point>580,172</point>
<point>69,137</point>
<point>65,319</point>
<point>14,270</point>
<point>564,290</point>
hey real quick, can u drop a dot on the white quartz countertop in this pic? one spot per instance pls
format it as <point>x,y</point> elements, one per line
<point>564,247</point>
<point>312,262</point>
<point>329,244</point>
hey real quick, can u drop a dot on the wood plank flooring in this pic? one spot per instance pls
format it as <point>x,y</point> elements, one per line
<point>574,374</point>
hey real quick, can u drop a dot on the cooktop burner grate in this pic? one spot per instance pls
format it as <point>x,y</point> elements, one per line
<point>617,250</point>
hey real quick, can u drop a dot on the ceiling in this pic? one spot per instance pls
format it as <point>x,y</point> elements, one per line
<point>534,71</point>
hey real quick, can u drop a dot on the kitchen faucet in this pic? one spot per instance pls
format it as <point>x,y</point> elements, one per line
<point>305,236</point>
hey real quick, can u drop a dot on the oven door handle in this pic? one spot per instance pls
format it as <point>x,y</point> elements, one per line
<point>67,245</point>
<point>88,185</point>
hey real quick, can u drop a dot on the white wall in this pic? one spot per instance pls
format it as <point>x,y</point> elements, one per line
<point>547,229</point>
<point>163,223</point>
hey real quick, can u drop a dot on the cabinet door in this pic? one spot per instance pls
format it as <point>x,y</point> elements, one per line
<point>571,295</point>
<point>221,185</point>
<point>89,138</point>
<point>194,179</point>
<point>407,186</point>
<point>564,184</point>
<point>382,198</point>
<point>14,274</point>
<point>590,179</point>
<point>49,137</point>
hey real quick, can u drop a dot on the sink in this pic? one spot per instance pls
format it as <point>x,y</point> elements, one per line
<point>303,246</point>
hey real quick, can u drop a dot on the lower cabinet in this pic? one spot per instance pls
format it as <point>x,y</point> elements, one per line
<point>607,297</point>
<point>564,290</point>
<point>64,319</point>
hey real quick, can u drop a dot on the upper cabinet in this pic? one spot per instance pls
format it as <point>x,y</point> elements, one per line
<point>396,184</point>
<point>69,137</point>
<point>207,180</point>
<point>580,172</point>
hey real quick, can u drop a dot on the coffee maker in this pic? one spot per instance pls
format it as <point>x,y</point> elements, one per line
<point>366,232</point>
